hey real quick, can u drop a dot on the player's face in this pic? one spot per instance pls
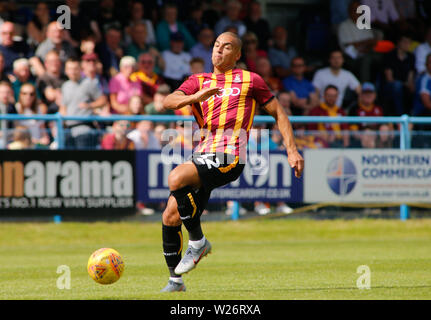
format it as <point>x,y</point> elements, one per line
<point>225,52</point>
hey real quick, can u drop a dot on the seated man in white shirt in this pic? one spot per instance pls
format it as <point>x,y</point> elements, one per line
<point>357,44</point>
<point>177,61</point>
<point>337,76</point>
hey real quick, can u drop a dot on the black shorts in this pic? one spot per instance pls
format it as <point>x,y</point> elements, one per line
<point>215,170</point>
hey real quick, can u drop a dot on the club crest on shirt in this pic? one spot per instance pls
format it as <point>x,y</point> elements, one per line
<point>237,78</point>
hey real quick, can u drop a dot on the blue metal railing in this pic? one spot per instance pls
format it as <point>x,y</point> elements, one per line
<point>404,121</point>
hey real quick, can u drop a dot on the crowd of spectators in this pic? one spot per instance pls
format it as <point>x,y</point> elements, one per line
<point>125,57</point>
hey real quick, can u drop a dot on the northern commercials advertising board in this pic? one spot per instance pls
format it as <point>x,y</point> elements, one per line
<point>367,176</point>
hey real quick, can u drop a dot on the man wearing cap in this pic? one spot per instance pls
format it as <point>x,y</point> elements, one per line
<point>365,107</point>
<point>177,61</point>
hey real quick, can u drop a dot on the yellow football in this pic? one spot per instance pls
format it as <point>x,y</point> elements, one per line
<point>105,266</point>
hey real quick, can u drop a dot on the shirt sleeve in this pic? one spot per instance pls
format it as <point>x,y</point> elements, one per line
<point>261,92</point>
<point>424,87</point>
<point>190,86</point>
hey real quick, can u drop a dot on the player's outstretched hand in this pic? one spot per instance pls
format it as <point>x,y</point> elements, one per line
<point>204,94</point>
<point>297,162</point>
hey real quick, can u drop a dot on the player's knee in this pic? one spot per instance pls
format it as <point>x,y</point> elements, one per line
<point>175,181</point>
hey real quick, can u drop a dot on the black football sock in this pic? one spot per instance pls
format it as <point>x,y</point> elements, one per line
<point>190,211</point>
<point>172,247</point>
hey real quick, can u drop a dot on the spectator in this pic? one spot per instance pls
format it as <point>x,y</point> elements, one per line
<point>11,50</point>
<point>233,9</point>
<point>6,98</point>
<point>365,107</point>
<point>263,68</point>
<point>302,92</point>
<point>250,51</point>
<point>110,51</point>
<point>196,22</point>
<point>87,45</point>
<point>409,20</point>
<point>197,65</point>
<point>143,136</point>
<point>121,87</point>
<point>399,69</point>
<point>357,44</point>
<point>21,75</point>
<point>334,134</point>
<point>339,12</point>
<point>136,106</point>
<point>55,39</point>
<point>156,107</point>
<point>139,45</point>
<point>368,137</point>
<point>49,84</point>
<point>28,104</point>
<point>258,25</point>
<point>80,96</point>
<point>89,64</point>
<point>285,101</point>
<point>136,15</point>
<point>177,61</point>
<point>385,137</point>
<point>203,49</point>
<point>118,140</point>
<point>6,107</point>
<point>3,75</point>
<point>170,25</point>
<point>304,140</point>
<point>422,100</point>
<point>36,28</point>
<point>422,51</point>
<point>158,133</point>
<point>212,12</point>
<point>82,25</point>
<point>280,54</point>
<point>21,139</point>
<point>107,16</point>
<point>337,76</point>
<point>145,74</point>
<point>383,15</point>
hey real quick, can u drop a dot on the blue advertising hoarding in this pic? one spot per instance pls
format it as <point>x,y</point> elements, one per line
<point>265,178</point>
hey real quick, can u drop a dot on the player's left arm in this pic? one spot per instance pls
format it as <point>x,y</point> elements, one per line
<point>295,160</point>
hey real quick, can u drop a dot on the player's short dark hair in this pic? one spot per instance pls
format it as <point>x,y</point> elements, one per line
<point>236,37</point>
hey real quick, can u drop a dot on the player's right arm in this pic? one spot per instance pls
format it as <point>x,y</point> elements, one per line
<point>179,99</point>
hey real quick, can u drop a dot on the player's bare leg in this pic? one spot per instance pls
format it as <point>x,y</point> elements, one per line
<point>183,207</point>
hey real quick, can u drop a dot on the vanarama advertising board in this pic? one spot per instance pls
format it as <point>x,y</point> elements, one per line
<point>66,182</point>
<point>367,175</point>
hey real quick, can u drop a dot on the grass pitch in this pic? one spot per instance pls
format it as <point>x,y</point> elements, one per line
<point>265,259</point>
